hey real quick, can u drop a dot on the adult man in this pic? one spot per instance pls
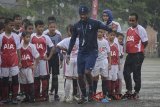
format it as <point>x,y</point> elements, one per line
<point>86,29</point>
<point>136,42</point>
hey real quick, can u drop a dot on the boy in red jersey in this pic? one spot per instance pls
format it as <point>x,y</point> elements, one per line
<point>10,56</point>
<point>30,57</point>
<point>114,65</point>
<point>41,42</point>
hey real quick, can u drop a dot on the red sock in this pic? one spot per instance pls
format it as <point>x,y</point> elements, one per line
<point>37,88</point>
<point>117,86</point>
<point>44,88</point>
<point>5,92</point>
<point>15,90</point>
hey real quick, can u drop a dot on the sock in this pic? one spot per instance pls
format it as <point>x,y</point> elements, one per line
<point>5,88</point>
<point>15,86</point>
<point>75,86</point>
<point>31,91</point>
<point>109,87</point>
<point>117,86</point>
<point>54,84</point>
<point>67,88</point>
<point>95,86</point>
<point>44,88</point>
<point>113,87</point>
<point>37,87</point>
<point>104,87</point>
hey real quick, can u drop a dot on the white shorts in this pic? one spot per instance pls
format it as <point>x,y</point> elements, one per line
<point>101,68</point>
<point>26,76</point>
<point>41,69</point>
<point>9,72</point>
<point>113,73</point>
<point>71,68</point>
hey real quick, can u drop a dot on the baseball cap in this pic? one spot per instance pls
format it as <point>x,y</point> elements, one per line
<point>83,10</point>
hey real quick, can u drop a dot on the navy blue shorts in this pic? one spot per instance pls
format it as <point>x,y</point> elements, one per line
<point>86,61</point>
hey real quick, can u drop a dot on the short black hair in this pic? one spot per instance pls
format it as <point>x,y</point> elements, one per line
<point>110,31</point>
<point>7,20</point>
<point>16,15</point>
<point>51,22</point>
<point>120,34</point>
<point>25,21</point>
<point>134,14</point>
<point>38,22</point>
<point>27,24</point>
<point>1,25</point>
<point>51,19</point>
<point>25,34</point>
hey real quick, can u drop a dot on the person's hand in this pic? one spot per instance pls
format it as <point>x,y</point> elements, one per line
<point>46,58</point>
<point>60,64</point>
<point>109,66</point>
<point>19,64</point>
<point>68,59</point>
<point>33,67</point>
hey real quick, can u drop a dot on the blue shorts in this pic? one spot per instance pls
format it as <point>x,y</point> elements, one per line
<point>86,61</point>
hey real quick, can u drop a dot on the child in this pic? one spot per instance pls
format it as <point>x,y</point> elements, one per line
<point>54,61</point>
<point>102,63</point>
<point>114,66</point>
<point>70,72</point>
<point>41,73</point>
<point>30,56</point>
<point>10,56</point>
<point>17,24</point>
<point>120,72</point>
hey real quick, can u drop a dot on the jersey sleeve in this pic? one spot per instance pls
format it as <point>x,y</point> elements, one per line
<point>48,41</point>
<point>35,53</point>
<point>142,34</point>
<point>17,41</point>
<point>64,43</point>
<point>107,46</point>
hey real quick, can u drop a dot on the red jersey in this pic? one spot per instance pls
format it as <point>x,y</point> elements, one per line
<point>135,37</point>
<point>41,43</point>
<point>114,54</point>
<point>28,55</point>
<point>9,46</point>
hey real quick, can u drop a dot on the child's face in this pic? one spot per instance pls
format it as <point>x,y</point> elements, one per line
<point>29,29</point>
<point>120,39</point>
<point>52,27</point>
<point>9,26</point>
<point>105,17</point>
<point>100,33</point>
<point>40,28</point>
<point>112,35</point>
<point>27,38</point>
<point>18,21</point>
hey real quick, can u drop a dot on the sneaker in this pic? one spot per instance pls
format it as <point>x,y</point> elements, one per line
<point>135,95</point>
<point>82,100</point>
<point>5,101</point>
<point>56,98</point>
<point>67,100</point>
<point>76,97</point>
<point>107,98</point>
<point>14,101</point>
<point>127,95</point>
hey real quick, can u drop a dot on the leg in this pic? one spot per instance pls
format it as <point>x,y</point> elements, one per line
<point>75,87</point>
<point>127,73</point>
<point>37,87</point>
<point>44,81</point>
<point>104,87</point>
<point>137,72</point>
<point>5,88</point>
<point>95,82</point>
<point>15,85</point>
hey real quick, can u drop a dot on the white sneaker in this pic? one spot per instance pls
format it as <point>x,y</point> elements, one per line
<point>67,100</point>
<point>76,98</point>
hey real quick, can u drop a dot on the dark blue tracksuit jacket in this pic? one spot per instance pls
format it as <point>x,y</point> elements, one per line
<point>87,33</point>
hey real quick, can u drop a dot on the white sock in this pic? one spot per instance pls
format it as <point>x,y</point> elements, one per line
<point>67,87</point>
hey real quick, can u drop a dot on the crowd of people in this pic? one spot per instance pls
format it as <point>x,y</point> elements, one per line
<point>31,55</point>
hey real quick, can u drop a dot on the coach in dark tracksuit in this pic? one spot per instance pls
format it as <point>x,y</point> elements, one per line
<point>86,29</point>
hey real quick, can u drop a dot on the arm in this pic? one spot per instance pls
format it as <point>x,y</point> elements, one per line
<point>73,40</point>
<point>19,57</point>
<point>53,50</point>
<point>109,61</point>
<point>145,44</point>
<point>103,26</point>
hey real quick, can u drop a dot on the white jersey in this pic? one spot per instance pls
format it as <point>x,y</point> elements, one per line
<point>57,31</point>
<point>103,49</point>
<point>65,44</point>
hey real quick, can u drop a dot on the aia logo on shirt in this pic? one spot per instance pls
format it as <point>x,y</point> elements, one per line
<point>39,46</point>
<point>130,38</point>
<point>113,53</point>
<point>26,57</point>
<point>8,46</point>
